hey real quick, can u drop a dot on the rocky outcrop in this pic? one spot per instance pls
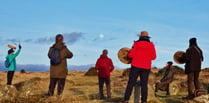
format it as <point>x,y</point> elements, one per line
<point>7,93</point>
<point>91,72</point>
<point>202,99</point>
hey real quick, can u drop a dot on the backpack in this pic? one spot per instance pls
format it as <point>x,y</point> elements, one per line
<point>55,57</point>
<point>7,63</point>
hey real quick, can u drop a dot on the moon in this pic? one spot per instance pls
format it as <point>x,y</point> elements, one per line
<point>101,36</point>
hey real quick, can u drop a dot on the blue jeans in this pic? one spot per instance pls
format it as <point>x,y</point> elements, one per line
<point>134,73</point>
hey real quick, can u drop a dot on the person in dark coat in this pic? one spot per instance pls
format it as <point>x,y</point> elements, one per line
<point>163,84</point>
<point>59,72</point>
<point>104,65</point>
<point>142,54</point>
<point>193,59</point>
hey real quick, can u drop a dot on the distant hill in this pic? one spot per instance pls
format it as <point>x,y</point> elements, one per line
<point>41,68</point>
<point>81,67</point>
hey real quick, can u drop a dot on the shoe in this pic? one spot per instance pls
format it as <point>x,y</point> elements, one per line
<point>126,101</point>
<point>188,97</point>
<point>59,98</point>
<point>108,97</point>
<point>101,98</point>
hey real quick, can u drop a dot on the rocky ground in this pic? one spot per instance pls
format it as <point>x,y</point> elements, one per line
<point>81,88</point>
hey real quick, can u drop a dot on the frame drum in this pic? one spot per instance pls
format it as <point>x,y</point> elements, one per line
<point>122,55</point>
<point>179,57</point>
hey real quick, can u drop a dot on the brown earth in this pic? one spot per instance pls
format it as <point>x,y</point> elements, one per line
<point>33,87</point>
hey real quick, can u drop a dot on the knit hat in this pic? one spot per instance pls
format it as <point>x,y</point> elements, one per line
<point>59,38</point>
<point>10,51</point>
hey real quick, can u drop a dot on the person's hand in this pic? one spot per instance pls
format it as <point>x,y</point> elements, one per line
<point>20,46</point>
<point>64,45</point>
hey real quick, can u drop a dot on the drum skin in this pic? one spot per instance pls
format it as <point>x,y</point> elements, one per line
<point>123,55</point>
<point>11,46</point>
<point>179,57</point>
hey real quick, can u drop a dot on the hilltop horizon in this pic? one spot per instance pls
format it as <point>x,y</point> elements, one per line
<point>42,67</point>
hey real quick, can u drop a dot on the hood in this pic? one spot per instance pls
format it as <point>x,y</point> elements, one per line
<point>59,46</point>
<point>103,56</point>
<point>144,44</point>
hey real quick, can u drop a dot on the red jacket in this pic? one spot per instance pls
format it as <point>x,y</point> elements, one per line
<point>142,54</point>
<point>105,66</point>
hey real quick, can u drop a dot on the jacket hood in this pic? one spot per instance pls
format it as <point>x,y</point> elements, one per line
<point>103,56</point>
<point>59,46</point>
<point>144,44</point>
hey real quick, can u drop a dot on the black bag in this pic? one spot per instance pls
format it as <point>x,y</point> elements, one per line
<point>187,69</point>
<point>55,57</point>
<point>7,63</point>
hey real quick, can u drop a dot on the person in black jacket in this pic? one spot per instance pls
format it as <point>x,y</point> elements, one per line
<point>193,59</point>
<point>163,84</point>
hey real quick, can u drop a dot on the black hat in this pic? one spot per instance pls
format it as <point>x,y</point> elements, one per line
<point>170,62</point>
<point>10,51</point>
<point>192,42</point>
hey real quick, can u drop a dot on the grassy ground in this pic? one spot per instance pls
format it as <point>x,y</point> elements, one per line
<point>33,87</point>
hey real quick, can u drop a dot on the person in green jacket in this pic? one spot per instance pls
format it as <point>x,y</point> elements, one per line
<point>11,69</point>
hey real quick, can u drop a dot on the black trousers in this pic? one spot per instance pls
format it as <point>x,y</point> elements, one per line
<point>101,84</point>
<point>134,73</point>
<point>193,77</point>
<point>60,87</point>
<point>10,75</point>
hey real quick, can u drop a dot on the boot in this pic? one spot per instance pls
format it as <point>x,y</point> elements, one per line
<point>189,97</point>
<point>126,101</point>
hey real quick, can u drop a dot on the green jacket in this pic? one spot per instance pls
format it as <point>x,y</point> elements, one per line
<point>12,60</point>
<point>60,70</point>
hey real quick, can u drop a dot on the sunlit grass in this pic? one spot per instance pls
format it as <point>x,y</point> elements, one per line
<point>33,87</point>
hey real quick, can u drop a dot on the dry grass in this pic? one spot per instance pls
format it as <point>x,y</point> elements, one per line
<point>84,89</point>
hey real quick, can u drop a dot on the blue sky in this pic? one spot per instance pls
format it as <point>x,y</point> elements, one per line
<point>93,25</point>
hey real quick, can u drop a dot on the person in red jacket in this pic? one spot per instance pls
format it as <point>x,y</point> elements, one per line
<point>142,54</point>
<point>104,65</point>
